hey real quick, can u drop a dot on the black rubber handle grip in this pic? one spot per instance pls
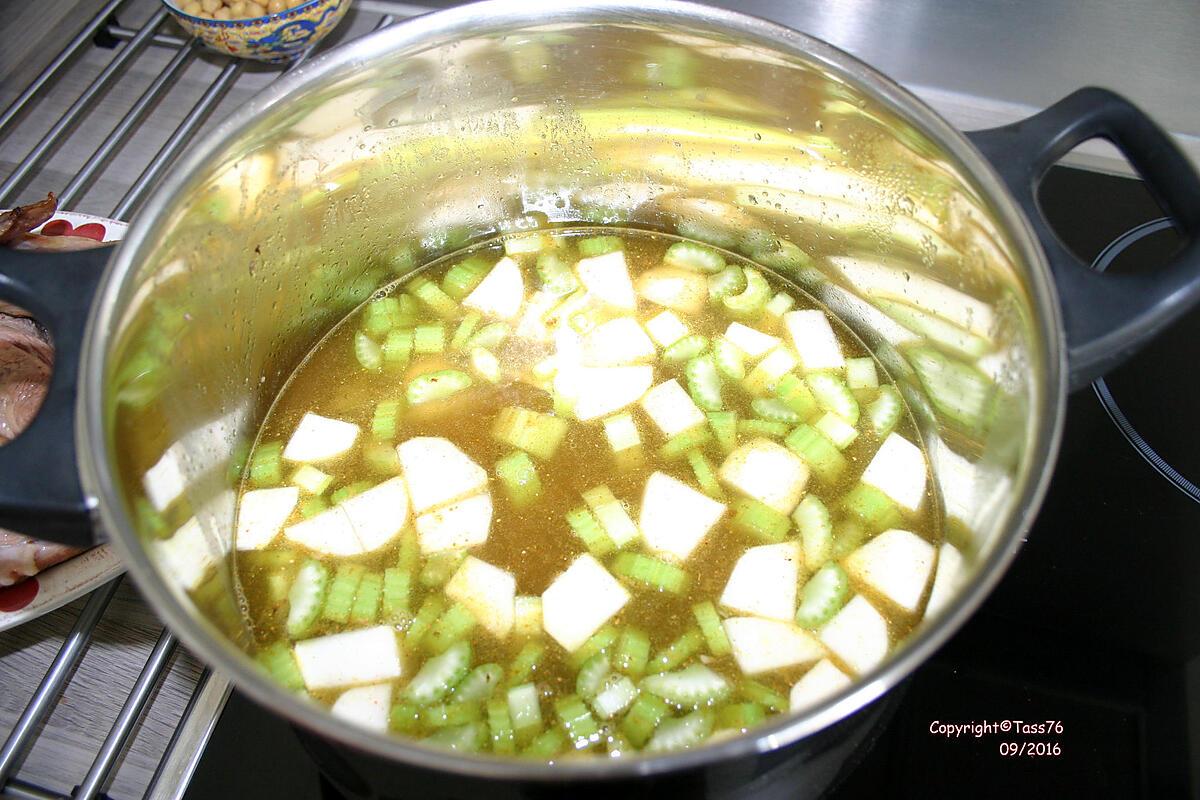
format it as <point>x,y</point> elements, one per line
<point>40,493</point>
<point>1108,317</point>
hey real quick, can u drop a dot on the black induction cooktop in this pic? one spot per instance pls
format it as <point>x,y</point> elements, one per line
<point>1089,649</point>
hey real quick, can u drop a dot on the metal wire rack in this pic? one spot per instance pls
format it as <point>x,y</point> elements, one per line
<point>128,45</point>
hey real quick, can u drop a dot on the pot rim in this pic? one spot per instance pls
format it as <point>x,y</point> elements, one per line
<point>420,33</point>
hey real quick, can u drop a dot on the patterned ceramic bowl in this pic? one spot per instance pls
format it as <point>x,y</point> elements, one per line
<point>275,38</point>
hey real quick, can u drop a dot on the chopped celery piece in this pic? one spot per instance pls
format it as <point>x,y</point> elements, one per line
<point>848,535</point>
<point>405,717</point>
<point>281,665</point>
<point>432,386</point>
<point>464,276</point>
<point>740,716</point>
<point>439,567</point>
<point>311,506</point>
<point>694,256</point>
<point>793,392</point>
<point>633,652</point>
<point>519,478</point>
<point>525,243</point>
<point>762,427</point>
<point>729,359</point>
<point>381,315</point>
<point>871,507</point>
<point>616,694</point>
<point>383,421</point>
<point>429,338</point>
<point>480,684</point>
<point>836,430</point>
<point>834,395</point>
<point>535,433</point>
<point>681,733</point>
<point>650,572</point>
<point>462,334</point>
<point>765,377</point>
<point>581,726</point>
<point>599,245</point>
<point>439,675</point>
<point>525,663</point>
<point>821,455</point>
<point>431,296</point>
<point>751,300</point>
<point>431,608</point>
<point>410,551</point>
<point>612,515</point>
<point>780,304</point>
<point>704,383</point>
<point>958,391</point>
<point>397,348</point>
<point>397,584</point>
<point>621,432</point>
<point>687,645</point>
<point>693,686</point>
<point>500,727</point>
<point>685,349</point>
<point>591,676</point>
<point>598,642</point>
<point>340,598</point>
<point>816,530</point>
<point>589,530</point>
<point>763,695</point>
<point>643,718</point>
<point>266,465</point>
<point>447,714</point>
<point>410,309</point>
<point>937,330</point>
<point>555,274</point>
<point>489,337</point>
<point>823,595</point>
<point>311,479</point>
<point>365,610</point>
<point>369,356</point>
<point>773,410</point>
<point>679,445</point>
<point>759,521</point>
<point>381,457</point>
<point>861,373</point>
<point>723,424</point>
<point>486,365</point>
<point>348,491</point>
<point>463,738</point>
<point>455,623</point>
<point>524,707</point>
<point>546,744</point>
<point>706,474</point>
<point>306,597</point>
<point>710,625</point>
<point>727,283</point>
<point>884,411</point>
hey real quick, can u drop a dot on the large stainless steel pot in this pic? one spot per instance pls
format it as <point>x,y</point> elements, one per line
<point>409,142</point>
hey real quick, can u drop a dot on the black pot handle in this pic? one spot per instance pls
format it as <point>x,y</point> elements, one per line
<point>40,493</point>
<point>1108,317</point>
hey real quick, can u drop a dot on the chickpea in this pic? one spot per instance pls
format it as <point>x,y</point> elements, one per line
<point>210,6</point>
<point>222,13</point>
<point>204,14</point>
<point>254,9</point>
<point>192,8</point>
<point>237,10</point>
<point>275,6</point>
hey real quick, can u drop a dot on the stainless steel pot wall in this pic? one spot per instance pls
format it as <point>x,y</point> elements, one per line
<point>407,144</point>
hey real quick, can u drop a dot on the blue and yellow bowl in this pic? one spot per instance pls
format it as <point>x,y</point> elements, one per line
<point>275,38</point>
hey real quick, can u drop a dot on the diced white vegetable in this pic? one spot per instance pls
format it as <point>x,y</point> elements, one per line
<point>763,581</point>
<point>823,680</point>
<point>365,706</point>
<point>526,243</point>
<point>329,532</point>
<point>485,365</point>
<point>621,432</point>
<point>617,696</point>
<point>524,706</point>
<point>378,514</point>
<point>458,525</point>
<point>527,615</point>
<point>861,373</point>
<point>768,472</point>
<point>666,328</point>
<point>437,472</point>
<point>189,555</point>
<point>763,645</point>
<point>611,514</point>
<point>677,289</point>
<point>762,379</point>
<point>166,480</point>
<point>579,601</point>
<point>675,517</point>
<point>857,635</point>
<point>488,592</point>
<point>261,516</point>
<point>672,409</point>
<point>600,391</point>
<point>616,342</point>
<point>501,293</point>
<point>836,430</point>
<point>367,655</point>
<point>319,438</point>
<point>814,339</point>
<point>607,278</point>
<point>753,343</point>
<point>532,324</point>
<point>947,580</point>
<point>896,564</point>
<point>898,470</point>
